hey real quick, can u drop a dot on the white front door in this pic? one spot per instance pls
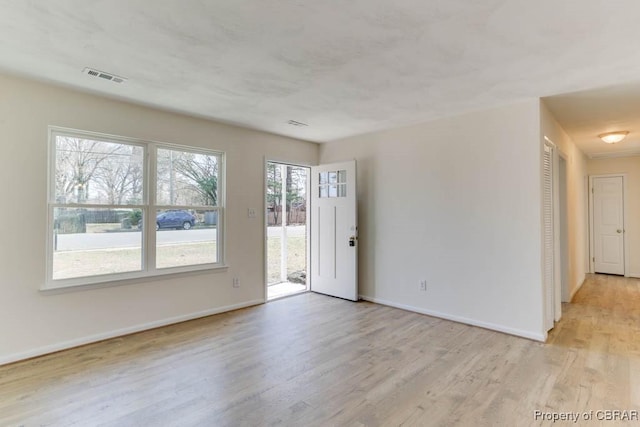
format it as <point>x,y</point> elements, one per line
<point>608,225</point>
<point>334,230</point>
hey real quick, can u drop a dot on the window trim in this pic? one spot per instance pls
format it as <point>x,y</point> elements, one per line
<point>148,206</point>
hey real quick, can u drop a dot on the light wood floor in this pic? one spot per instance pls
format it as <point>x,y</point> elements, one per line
<point>312,360</point>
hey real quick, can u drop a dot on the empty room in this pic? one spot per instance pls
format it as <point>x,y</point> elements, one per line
<point>257,213</point>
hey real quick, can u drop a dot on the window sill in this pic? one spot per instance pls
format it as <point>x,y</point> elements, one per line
<point>97,282</point>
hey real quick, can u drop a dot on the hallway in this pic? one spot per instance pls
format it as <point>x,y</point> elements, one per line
<point>597,345</point>
<point>604,315</point>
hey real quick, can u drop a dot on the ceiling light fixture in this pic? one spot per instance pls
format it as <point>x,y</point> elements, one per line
<point>613,137</point>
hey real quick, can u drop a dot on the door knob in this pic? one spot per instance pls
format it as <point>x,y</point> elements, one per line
<point>618,231</point>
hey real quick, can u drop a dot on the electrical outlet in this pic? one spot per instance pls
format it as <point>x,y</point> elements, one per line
<point>236,282</point>
<point>423,285</point>
<point>251,213</point>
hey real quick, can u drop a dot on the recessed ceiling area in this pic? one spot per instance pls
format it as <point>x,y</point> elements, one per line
<point>343,68</point>
<point>585,115</point>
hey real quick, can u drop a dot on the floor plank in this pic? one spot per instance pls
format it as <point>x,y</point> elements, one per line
<point>315,361</point>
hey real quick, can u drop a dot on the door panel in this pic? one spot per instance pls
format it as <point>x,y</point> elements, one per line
<point>334,249</point>
<point>610,249</point>
<point>608,225</point>
<point>326,248</point>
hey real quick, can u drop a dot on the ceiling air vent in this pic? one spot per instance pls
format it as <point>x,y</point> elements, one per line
<point>296,123</point>
<point>106,76</point>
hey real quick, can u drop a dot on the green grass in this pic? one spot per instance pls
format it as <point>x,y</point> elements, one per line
<point>185,254</point>
<point>297,257</point>
<point>69,264</point>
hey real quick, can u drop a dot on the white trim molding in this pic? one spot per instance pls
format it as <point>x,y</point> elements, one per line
<point>541,337</point>
<point>41,351</point>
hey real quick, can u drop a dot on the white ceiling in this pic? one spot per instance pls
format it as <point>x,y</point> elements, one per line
<point>586,114</point>
<point>343,67</point>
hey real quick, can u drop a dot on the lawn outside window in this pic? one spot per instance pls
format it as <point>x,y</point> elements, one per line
<point>120,208</point>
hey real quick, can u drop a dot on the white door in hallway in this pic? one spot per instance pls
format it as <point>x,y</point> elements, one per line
<point>608,224</point>
<point>334,230</point>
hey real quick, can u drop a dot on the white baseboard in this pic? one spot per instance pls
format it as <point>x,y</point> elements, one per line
<point>40,351</point>
<point>634,275</point>
<point>492,326</point>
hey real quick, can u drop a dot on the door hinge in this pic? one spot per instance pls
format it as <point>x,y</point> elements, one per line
<point>594,259</point>
<point>591,190</point>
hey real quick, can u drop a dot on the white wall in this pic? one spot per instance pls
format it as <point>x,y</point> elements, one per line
<point>32,322</point>
<point>630,166</point>
<point>456,202</point>
<point>577,204</point>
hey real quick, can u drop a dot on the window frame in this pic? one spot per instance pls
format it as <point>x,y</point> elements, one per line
<point>148,206</point>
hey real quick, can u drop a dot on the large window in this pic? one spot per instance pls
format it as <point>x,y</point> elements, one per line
<point>121,208</point>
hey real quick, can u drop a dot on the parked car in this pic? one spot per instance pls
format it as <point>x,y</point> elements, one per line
<point>175,219</point>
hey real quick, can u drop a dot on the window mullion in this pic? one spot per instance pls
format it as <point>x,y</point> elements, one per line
<point>150,229</point>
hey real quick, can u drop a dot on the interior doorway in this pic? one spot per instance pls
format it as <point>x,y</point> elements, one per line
<point>287,230</point>
<point>555,233</point>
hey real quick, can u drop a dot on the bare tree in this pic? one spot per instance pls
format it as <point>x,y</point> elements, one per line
<point>77,164</point>
<point>274,190</point>
<point>198,175</point>
<point>120,180</point>
<point>295,186</point>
